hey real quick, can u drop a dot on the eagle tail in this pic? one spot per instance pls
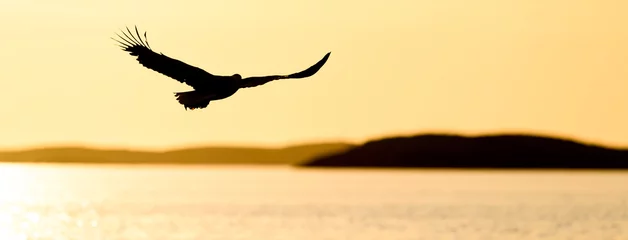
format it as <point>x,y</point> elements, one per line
<point>193,99</point>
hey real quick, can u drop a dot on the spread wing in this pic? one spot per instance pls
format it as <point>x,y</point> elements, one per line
<point>173,68</point>
<point>256,81</point>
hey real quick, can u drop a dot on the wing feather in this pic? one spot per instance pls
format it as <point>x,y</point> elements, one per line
<point>256,81</point>
<point>173,68</point>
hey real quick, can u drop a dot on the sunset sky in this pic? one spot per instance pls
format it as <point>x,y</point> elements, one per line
<point>397,67</point>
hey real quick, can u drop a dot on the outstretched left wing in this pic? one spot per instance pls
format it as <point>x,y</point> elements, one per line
<point>173,68</point>
<point>256,81</point>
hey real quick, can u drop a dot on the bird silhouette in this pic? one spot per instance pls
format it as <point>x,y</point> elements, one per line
<point>207,87</point>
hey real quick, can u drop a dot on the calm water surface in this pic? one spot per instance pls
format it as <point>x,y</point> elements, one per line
<point>193,202</point>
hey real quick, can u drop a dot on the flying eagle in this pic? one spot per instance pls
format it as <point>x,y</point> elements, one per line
<point>207,87</point>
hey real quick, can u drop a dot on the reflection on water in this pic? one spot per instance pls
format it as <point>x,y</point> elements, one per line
<point>193,202</point>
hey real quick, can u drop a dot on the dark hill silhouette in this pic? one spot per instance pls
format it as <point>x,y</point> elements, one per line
<point>488,151</point>
<point>203,155</point>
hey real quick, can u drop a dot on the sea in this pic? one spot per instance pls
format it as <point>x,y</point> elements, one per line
<point>159,202</point>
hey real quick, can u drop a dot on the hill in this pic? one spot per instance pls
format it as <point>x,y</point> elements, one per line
<point>488,151</point>
<point>204,155</point>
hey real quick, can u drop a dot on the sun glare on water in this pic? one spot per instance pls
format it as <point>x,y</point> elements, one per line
<point>24,213</point>
<point>16,181</point>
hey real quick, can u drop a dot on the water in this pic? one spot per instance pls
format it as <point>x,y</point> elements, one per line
<point>193,202</point>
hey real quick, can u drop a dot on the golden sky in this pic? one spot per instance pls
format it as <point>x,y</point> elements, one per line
<point>397,67</point>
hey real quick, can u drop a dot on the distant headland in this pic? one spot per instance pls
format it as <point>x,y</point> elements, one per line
<point>198,155</point>
<point>486,151</point>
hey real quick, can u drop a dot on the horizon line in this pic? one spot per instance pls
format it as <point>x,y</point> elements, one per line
<point>260,145</point>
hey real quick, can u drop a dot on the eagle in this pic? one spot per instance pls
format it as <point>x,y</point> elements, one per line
<point>207,87</point>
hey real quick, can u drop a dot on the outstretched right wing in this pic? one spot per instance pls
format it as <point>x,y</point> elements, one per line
<point>173,68</point>
<point>257,81</point>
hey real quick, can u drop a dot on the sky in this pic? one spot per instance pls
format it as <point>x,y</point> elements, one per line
<point>398,67</point>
